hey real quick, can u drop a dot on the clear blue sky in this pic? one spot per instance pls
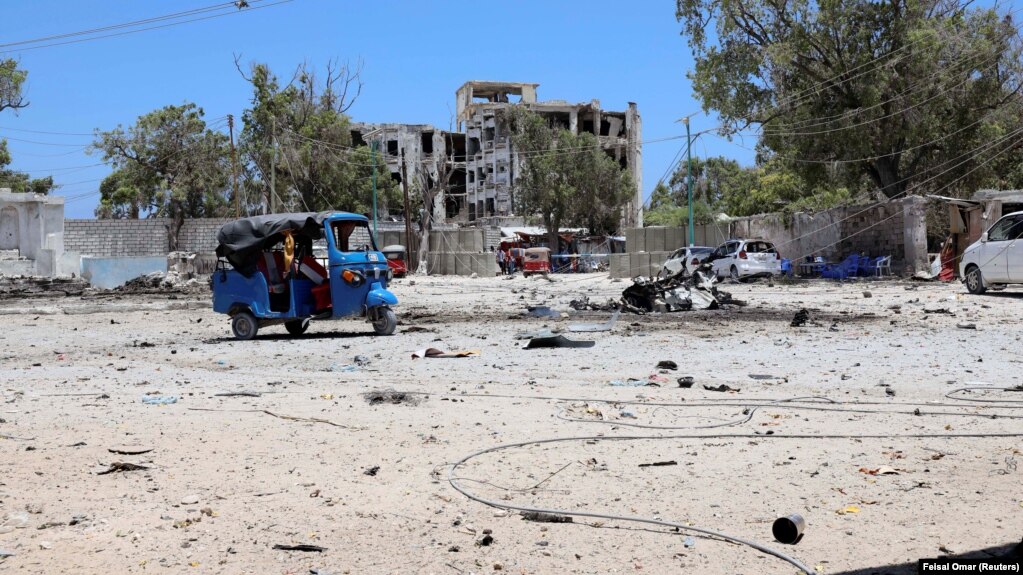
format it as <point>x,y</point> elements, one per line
<point>415,55</point>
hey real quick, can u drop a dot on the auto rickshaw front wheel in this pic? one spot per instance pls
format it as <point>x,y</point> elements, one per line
<point>297,327</point>
<point>385,322</point>
<point>244,325</point>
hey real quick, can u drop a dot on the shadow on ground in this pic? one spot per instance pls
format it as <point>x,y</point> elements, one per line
<point>285,336</point>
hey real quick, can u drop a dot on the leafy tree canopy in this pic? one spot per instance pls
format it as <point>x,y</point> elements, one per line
<point>169,163</point>
<point>12,80</point>
<point>566,179</point>
<point>316,166</point>
<point>917,95</point>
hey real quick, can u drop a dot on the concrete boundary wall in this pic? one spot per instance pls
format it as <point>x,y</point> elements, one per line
<point>897,228</point>
<point>149,237</point>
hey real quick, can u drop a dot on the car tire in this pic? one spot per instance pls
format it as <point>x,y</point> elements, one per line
<point>244,325</point>
<point>386,322</point>
<point>734,274</point>
<point>975,280</point>
<point>297,327</point>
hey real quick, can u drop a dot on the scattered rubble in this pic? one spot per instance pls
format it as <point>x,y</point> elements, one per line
<point>801,318</point>
<point>170,281</point>
<point>540,517</point>
<point>21,287</point>
<point>301,547</point>
<point>120,467</point>
<point>659,464</point>
<point>721,388</point>
<point>392,397</point>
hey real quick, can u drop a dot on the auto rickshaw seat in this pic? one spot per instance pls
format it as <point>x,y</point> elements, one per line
<point>311,269</point>
<point>271,265</point>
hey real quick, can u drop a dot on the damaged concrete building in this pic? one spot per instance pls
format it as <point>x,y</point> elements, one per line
<point>492,161</point>
<point>433,158</point>
<point>475,168</point>
<point>31,234</point>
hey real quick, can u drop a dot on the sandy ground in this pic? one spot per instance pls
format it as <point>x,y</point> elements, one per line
<point>227,479</point>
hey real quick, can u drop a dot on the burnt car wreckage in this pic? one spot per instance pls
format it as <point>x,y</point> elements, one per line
<point>679,292</point>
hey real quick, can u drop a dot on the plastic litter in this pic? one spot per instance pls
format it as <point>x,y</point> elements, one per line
<point>159,399</point>
<point>557,341</point>
<point>14,520</point>
<point>348,367</point>
<point>432,352</point>
<point>542,311</point>
<point>592,327</point>
<point>631,383</point>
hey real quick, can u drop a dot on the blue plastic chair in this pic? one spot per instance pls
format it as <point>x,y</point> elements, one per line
<point>865,266</point>
<point>840,271</point>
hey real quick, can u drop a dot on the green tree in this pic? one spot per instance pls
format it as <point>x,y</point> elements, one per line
<point>128,192</point>
<point>170,164</point>
<point>21,182</point>
<point>12,80</point>
<point>905,92</point>
<point>566,178</point>
<point>316,166</point>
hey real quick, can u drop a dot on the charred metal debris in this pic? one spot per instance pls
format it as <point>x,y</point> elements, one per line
<point>680,292</point>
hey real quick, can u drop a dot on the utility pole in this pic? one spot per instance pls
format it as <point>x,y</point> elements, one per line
<point>273,165</point>
<point>373,156</point>
<point>689,179</point>
<point>234,168</point>
<point>408,221</point>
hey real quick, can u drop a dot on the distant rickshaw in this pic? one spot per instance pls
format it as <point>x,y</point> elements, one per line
<point>396,259</point>
<point>536,261</point>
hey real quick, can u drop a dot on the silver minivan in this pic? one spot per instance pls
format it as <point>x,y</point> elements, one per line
<point>996,258</point>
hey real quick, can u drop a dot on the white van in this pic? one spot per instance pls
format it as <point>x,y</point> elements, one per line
<point>997,258</point>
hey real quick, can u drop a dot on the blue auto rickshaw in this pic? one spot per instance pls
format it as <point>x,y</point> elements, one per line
<point>267,273</point>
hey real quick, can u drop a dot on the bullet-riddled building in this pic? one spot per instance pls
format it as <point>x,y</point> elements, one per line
<point>434,157</point>
<point>491,160</point>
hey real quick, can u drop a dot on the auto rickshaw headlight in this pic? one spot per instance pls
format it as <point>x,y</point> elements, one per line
<point>352,278</point>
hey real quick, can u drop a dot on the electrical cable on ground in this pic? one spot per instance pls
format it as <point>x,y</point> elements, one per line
<point>454,480</point>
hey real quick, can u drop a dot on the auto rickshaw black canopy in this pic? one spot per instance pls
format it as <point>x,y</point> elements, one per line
<point>242,241</point>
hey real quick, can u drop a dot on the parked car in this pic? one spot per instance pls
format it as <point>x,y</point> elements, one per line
<point>684,259</point>
<point>745,258</point>
<point>996,258</point>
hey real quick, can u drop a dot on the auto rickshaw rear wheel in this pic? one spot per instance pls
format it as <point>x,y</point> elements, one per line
<point>385,322</point>
<point>244,325</point>
<point>297,327</point>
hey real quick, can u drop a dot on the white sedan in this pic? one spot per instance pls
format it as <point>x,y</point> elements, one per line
<point>684,259</point>
<point>737,259</point>
<point>997,258</point>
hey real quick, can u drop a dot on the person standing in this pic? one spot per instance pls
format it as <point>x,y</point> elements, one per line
<point>511,262</point>
<point>501,262</point>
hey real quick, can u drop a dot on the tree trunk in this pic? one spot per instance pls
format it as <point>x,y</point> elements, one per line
<point>552,224</point>
<point>425,225</point>
<point>885,173</point>
<point>177,221</point>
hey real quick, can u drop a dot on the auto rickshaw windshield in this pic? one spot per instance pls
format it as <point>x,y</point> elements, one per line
<point>352,236</point>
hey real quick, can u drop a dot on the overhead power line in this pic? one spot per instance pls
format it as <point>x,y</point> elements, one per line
<point>207,13</point>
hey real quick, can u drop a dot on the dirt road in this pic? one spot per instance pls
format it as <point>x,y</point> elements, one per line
<point>884,466</point>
